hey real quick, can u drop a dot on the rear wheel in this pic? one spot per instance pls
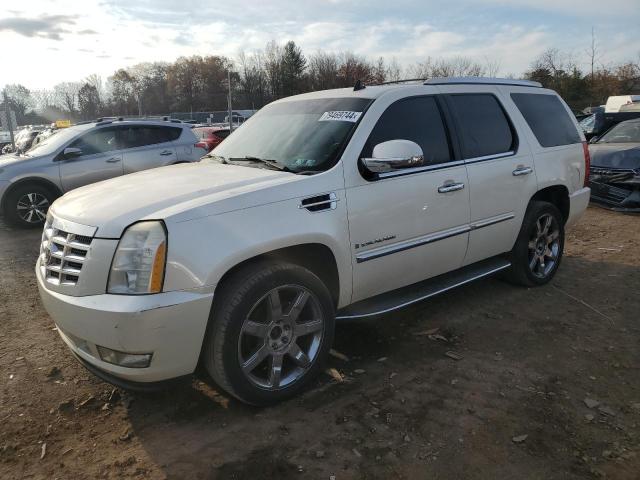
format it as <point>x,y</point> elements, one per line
<point>538,250</point>
<point>270,333</point>
<point>27,205</point>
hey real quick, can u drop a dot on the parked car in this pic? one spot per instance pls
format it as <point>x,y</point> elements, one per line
<point>599,122</point>
<point>330,205</point>
<point>615,167</point>
<point>23,140</point>
<point>88,153</point>
<point>212,136</point>
<point>615,102</point>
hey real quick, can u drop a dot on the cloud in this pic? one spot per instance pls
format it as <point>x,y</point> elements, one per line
<point>50,27</point>
<point>87,31</point>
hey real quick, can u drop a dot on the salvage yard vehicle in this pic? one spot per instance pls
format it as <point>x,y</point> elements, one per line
<point>326,206</point>
<point>615,167</point>
<point>87,153</point>
<point>212,136</point>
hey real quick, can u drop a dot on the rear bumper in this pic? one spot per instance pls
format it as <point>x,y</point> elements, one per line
<point>170,326</point>
<point>578,202</point>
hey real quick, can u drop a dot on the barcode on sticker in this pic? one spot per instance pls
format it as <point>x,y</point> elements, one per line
<point>341,116</point>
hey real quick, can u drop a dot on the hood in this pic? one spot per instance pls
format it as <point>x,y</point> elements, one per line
<point>189,190</point>
<point>615,155</point>
<point>12,158</point>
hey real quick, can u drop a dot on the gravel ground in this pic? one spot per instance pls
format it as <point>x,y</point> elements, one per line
<point>547,387</point>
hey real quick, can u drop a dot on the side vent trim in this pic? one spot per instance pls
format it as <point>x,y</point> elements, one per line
<point>319,203</point>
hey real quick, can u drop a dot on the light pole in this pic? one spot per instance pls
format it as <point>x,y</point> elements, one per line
<point>230,114</point>
<point>7,113</point>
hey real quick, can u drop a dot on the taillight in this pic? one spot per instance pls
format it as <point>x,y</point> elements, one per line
<point>587,163</point>
<point>201,145</point>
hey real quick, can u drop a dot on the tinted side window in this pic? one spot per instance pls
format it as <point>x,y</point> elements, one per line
<point>139,136</point>
<point>97,141</point>
<point>547,118</point>
<point>417,119</point>
<point>483,125</point>
<point>222,133</point>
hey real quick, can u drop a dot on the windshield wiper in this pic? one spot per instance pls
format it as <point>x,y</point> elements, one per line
<point>266,161</point>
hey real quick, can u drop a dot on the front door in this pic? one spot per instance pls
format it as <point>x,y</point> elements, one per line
<point>409,225</point>
<point>100,159</point>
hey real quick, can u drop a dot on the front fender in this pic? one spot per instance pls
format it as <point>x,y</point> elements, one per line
<point>201,251</point>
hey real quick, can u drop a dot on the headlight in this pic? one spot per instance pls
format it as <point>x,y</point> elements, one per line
<point>139,262</point>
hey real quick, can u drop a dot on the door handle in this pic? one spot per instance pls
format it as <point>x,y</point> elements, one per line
<point>522,171</point>
<point>166,152</point>
<point>113,160</point>
<point>450,187</point>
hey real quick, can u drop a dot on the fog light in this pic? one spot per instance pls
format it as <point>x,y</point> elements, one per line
<point>129,360</point>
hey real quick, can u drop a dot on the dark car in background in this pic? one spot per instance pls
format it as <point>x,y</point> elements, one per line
<point>615,167</point>
<point>211,136</point>
<point>600,121</point>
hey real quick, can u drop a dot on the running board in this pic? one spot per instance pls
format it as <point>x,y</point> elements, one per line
<point>405,296</point>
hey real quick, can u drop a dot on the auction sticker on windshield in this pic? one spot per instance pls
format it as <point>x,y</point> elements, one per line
<point>341,116</point>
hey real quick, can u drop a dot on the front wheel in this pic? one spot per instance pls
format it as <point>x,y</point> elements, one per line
<point>27,205</point>
<point>270,332</point>
<point>538,250</point>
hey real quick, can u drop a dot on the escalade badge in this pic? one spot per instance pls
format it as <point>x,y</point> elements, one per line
<point>373,242</point>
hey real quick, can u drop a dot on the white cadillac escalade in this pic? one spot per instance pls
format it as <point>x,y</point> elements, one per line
<point>330,205</point>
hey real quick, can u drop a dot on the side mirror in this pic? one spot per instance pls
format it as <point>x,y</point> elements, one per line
<point>71,152</point>
<point>394,155</point>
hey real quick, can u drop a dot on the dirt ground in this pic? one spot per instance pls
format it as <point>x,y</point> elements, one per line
<point>548,386</point>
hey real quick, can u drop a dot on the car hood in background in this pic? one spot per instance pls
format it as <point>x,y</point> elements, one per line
<point>615,155</point>
<point>182,192</point>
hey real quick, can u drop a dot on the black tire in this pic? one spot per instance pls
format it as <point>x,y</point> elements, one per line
<point>241,299</point>
<point>522,257</point>
<point>15,202</point>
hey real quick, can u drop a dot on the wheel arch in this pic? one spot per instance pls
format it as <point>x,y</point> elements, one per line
<point>316,257</point>
<point>558,195</point>
<point>26,181</point>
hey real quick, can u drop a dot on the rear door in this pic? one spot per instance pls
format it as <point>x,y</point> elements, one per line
<point>148,146</point>
<point>101,159</point>
<point>501,171</point>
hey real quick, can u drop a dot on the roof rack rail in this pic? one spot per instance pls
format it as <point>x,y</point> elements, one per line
<point>481,81</point>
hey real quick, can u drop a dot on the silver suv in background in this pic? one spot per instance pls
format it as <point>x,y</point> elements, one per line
<point>88,153</point>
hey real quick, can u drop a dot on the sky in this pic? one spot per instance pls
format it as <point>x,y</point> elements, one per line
<point>43,42</point>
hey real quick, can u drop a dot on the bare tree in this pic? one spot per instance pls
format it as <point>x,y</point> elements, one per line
<point>66,94</point>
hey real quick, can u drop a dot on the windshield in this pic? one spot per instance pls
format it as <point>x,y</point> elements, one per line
<point>303,135</point>
<point>625,132</point>
<point>54,142</point>
<point>588,123</point>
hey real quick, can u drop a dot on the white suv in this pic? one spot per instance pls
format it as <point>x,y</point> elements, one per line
<point>330,205</point>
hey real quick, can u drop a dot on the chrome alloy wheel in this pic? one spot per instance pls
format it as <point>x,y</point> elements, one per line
<point>280,339</point>
<point>32,207</point>
<point>544,246</point>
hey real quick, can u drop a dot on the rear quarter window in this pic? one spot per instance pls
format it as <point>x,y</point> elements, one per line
<point>548,119</point>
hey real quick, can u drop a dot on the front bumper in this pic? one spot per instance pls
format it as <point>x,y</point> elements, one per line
<point>169,325</point>
<point>578,202</point>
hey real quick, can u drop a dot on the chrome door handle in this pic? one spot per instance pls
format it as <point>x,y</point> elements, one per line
<point>166,152</point>
<point>450,187</point>
<point>113,160</point>
<point>522,171</point>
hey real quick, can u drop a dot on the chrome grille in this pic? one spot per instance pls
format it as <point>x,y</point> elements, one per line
<point>62,255</point>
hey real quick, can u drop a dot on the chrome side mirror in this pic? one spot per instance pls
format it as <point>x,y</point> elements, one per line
<point>71,152</point>
<point>394,155</point>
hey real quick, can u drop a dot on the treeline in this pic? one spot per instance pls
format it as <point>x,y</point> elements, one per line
<point>201,83</point>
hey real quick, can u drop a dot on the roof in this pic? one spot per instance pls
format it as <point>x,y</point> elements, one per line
<point>375,91</point>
